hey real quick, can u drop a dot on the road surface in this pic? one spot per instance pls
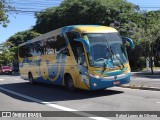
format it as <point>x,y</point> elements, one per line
<point>18,95</point>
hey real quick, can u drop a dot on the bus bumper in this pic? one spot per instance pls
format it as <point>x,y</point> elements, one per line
<point>103,83</point>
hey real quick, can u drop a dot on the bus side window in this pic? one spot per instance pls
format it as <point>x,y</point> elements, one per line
<point>23,51</point>
<point>77,48</point>
<point>51,45</point>
<point>80,54</point>
<point>60,43</point>
<point>71,36</point>
<point>54,45</point>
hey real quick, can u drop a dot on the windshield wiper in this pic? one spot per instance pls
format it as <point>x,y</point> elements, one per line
<point>116,56</point>
<point>104,67</point>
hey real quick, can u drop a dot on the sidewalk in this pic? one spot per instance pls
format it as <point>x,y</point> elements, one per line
<point>146,73</point>
<point>144,80</point>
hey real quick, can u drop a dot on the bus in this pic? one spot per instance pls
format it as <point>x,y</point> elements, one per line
<point>90,57</point>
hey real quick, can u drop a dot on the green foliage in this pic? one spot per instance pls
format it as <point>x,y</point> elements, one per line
<point>4,8</point>
<point>74,12</point>
<point>7,57</point>
<point>44,20</point>
<point>141,62</point>
<point>22,37</point>
<point>142,27</point>
<point>10,53</point>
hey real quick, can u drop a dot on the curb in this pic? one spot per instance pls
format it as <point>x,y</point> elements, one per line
<point>145,74</point>
<point>141,87</point>
<point>139,74</point>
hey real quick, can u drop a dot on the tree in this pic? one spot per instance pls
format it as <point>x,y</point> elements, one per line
<point>4,9</point>
<point>74,12</point>
<point>120,14</point>
<point>142,27</point>
<point>152,33</point>
<point>10,55</point>
<point>44,20</point>
<point>22,37</point>
<point>157,51</point>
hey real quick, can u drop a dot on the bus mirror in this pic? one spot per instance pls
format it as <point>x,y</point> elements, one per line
<point>129,40</point>
<point>85,42</point>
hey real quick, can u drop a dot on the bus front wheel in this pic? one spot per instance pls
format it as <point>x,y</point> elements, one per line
<point>69,84</point>
<point>31,80</point>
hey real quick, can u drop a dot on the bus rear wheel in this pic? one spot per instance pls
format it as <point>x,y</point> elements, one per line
<point>31,80</point>
<point>69,84</point>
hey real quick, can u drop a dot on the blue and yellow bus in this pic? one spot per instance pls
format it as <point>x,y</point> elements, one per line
<point>89,57</point>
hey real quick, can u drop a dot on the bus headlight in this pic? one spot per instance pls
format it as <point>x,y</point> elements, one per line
<point>94,84</point>
<point>95,76</point>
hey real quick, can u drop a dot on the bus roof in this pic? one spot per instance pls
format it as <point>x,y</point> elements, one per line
<point>92,29</point>
<point>77,28</point>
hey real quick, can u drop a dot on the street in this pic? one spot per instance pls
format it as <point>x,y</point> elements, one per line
<point>18,95</point>
<point>150,81</point>
<point>85,44</point>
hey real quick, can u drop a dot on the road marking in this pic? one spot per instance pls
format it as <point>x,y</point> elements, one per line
<point>99,118</point>
<point>1,79</point>
<point>54,105</point>
<point>158,102</point>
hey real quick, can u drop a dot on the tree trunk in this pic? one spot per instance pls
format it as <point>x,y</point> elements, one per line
<point>151,64</point>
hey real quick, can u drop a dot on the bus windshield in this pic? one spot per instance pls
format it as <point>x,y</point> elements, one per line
<point>106,50</point>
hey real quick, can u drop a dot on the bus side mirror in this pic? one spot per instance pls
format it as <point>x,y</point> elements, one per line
<point>129,40</point>
<point>85,43</point>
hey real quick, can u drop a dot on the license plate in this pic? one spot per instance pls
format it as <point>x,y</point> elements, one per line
<point>116,82</point>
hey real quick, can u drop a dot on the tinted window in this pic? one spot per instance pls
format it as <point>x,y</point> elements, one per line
<point>72,35</point>
<point>77,48</point>
<point>36,49</point>
<point>24,51</point>
<point>54,44</point>
<point>50,45</point>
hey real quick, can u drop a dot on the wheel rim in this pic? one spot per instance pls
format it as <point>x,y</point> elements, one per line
<point>70,83</point>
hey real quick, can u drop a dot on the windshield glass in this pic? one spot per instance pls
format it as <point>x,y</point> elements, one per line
<point>107,50</point>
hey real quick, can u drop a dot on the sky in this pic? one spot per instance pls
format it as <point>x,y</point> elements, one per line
<point>25,19</point>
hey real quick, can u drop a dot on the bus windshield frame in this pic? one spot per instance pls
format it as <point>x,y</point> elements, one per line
<point>106,50</point>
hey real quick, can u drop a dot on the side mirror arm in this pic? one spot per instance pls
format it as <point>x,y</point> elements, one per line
<point>126,39</point>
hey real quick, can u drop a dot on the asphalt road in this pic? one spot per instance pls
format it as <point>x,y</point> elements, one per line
<point>18,95</point>
<point>145,80</point>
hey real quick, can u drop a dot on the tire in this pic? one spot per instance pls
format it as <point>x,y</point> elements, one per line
<point>31,80</point>
<point>69,84</point>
